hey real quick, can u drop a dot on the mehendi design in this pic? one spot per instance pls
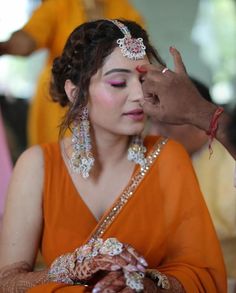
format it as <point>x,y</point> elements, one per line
<point>18,278</point>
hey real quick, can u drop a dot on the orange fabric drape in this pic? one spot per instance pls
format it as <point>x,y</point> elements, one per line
<point>166,220</point>
<point>50,26</point>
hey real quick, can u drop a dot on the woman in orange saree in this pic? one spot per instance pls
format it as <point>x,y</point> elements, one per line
<point>151,200</point>
<point>165,219</point>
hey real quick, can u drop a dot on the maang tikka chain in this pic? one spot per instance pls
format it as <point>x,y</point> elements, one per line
<point>132,48</point>
<point>82,159</point>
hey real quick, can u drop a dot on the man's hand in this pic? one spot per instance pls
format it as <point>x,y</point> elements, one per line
<point>170,96</point>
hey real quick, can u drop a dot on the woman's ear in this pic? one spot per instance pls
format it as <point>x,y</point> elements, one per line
<point>71,90</point>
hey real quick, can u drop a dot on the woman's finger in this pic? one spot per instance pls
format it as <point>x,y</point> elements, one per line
<point>127,290</point>
<point>135,254</point>
<point>112,282</point>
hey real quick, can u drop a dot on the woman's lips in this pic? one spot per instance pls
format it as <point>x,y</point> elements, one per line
<point>136,115</point>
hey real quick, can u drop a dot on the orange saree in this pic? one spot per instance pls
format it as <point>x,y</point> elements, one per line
<point>164,217</point>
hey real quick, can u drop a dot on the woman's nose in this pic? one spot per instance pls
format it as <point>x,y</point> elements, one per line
<point>137,93</point>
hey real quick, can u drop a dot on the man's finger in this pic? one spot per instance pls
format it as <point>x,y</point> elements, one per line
<point>150,109</point>
<point>144,68</point>
<point>178,62</point>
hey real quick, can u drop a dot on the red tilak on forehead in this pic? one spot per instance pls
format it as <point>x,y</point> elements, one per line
<point>141,70</point>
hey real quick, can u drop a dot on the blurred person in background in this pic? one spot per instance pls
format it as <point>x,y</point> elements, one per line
<point>49,27</point>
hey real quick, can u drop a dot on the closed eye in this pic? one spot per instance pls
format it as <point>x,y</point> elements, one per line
<point>119,85</point>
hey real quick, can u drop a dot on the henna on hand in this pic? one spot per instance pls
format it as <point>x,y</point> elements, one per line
<point>95,256</point>
<point>112,282</point>
<point>18,277</point>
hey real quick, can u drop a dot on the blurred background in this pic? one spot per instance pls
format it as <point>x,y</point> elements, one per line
<point>203,30</point>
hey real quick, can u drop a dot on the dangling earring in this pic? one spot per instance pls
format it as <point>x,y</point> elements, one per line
<point>82,160</point>
<point>136,151</point>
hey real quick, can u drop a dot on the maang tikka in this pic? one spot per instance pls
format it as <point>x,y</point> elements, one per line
<point>132,48</point>
<point>82,160</point>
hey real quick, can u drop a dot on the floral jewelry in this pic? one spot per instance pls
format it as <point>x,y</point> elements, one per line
<point>82,159</point>
<point>134,280</point>
<point>111,246</point>
<point>64,269</point>
<point>158,278</point>
<point>136,152</point>
<point>132,48</point>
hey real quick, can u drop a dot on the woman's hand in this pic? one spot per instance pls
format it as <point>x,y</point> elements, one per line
<point>112,282</point>
<point>116,282</point>
<point>128,259</point>
<point>89,259</point>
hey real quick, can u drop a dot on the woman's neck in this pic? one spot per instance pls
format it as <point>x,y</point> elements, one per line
<point>110,149</point>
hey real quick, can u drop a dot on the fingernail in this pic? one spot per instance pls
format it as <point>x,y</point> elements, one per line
<point>141,268</point>
<point>143,261</point>
<point>96,290</point>
<point>172,49</point>
<point>131,268</point>
<point>115,267</point>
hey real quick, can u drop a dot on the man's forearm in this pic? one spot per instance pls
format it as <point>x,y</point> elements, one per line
<point>202,119</point>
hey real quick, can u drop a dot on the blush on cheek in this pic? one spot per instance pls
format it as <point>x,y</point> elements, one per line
<point>103,100</point>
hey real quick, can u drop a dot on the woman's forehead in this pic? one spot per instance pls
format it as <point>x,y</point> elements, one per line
<point>117,60</point>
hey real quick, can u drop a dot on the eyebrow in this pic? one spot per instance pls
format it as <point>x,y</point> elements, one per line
<point>117,70</point>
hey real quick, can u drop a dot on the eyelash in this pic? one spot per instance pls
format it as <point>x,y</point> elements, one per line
<point>123,84</point>
<point>119,85</point>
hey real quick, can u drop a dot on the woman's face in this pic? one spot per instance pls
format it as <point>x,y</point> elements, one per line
<point>115,96</point>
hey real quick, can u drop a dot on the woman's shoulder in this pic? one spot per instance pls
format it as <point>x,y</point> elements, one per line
<point>31,155</point>
<point>35,155</point>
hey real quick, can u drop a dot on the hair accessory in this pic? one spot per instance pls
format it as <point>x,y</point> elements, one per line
<point>211,132</point>
<point>82,159</point>
<point>136,151</point>
<point>158,278</point>
<point>164,70</point>
<point>132,48</point>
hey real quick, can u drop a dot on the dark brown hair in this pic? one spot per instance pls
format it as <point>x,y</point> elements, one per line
<point>84,53</point>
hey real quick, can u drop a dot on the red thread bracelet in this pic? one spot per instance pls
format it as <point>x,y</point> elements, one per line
<point>211,132</point>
